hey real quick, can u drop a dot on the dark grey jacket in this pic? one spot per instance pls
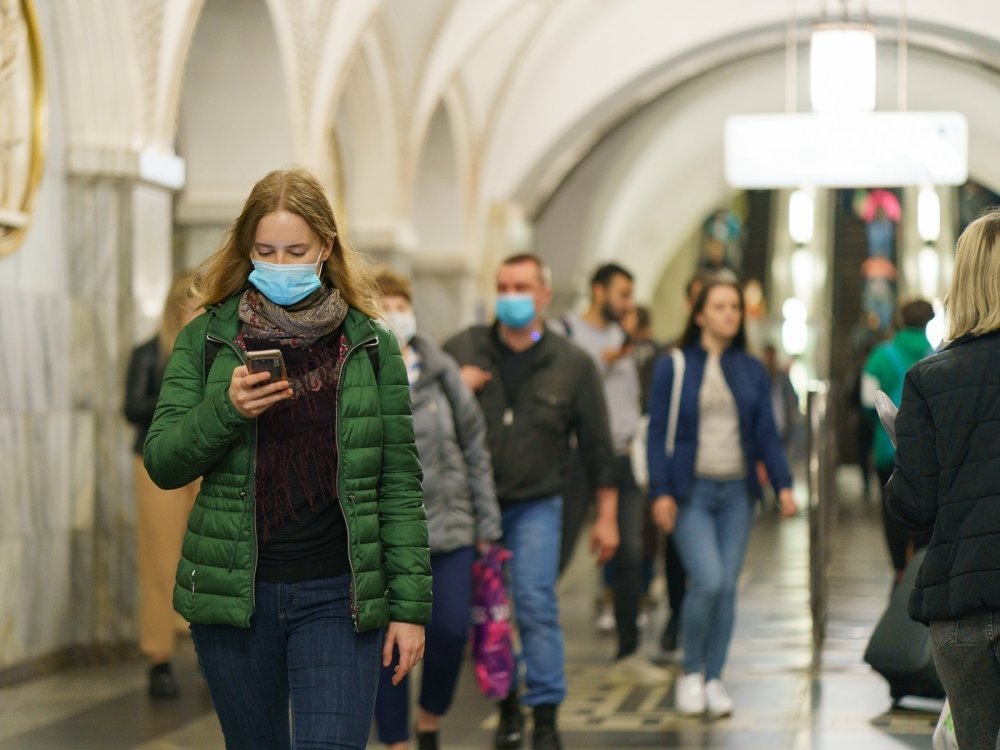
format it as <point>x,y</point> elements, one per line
<point>947,477</point>
<point>530,439</point>
<point>451,438</point>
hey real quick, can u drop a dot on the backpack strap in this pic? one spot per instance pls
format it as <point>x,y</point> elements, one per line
<point>675,398</point>
<point>211,351</point>
<point>372,350</point>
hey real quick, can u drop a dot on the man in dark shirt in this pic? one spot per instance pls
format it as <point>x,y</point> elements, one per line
<point>536,389</point>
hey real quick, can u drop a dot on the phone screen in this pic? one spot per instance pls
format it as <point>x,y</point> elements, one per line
<point>271,362</point>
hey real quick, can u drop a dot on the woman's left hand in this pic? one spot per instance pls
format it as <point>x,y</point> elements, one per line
<point>409,639</point>
<point>787,501</point>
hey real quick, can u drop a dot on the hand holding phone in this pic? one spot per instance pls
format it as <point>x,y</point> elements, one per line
<point>267,360</point>
<point>250,393</point>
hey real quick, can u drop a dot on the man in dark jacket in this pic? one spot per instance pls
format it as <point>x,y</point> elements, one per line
<point>536,389</point>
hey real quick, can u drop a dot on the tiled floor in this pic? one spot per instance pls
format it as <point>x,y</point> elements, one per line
<point>783,701</point>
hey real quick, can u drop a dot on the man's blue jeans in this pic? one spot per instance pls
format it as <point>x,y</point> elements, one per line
<point>532,531</point>
<point>300,651</point>
<point>713,528</point>
<point>967,657</point>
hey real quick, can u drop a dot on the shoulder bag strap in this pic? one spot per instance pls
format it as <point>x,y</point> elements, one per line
<point>675,398</point>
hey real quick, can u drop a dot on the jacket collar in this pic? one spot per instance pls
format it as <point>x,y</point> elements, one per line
<point>544,349</point>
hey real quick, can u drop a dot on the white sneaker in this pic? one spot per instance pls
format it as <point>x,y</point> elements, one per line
<point>605,621</point>
<point>718,700</point>
<point>636,669</point>
<point>689,694</point>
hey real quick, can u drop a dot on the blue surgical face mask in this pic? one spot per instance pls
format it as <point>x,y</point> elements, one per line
<point>516,310</point>
<point>285,283</point>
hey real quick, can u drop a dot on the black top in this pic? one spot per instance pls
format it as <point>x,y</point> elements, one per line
<point>947,477</point>
<point>305,537</point>
<point>142,388</point>
<point>557,392</point>
<point>311,545</point>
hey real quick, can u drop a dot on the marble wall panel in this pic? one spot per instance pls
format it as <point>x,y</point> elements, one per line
<point>13,582</point>
<point>13,375</point>
<point>67,539</point>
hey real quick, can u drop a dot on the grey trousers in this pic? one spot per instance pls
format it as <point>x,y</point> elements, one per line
<point>968,663</point>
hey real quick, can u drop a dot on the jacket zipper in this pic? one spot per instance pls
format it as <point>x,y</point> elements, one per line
<point>347,526</point>
<point>243,492</point>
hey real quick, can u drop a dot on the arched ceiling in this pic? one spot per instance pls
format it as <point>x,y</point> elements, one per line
<point>530,86</point>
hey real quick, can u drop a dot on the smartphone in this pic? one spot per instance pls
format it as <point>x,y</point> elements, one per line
<point>267,360</point>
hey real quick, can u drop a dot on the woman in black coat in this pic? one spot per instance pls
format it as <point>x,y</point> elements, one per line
<point>947,481</point>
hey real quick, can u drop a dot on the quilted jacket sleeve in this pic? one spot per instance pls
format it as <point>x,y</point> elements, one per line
<point>191,429</point>
<point>402,522</point>
<point>911,496</point>
<point>470,428</point>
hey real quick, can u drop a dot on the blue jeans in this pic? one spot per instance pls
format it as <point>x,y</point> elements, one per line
<point>713,528</point>
<point>967,657</point>
<point>446,636</point>
<point>531,531</point>
<point>300,651</point>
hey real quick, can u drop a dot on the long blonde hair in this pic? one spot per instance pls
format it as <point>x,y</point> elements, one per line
<point>973,301</point>
<point>177,311</point>
<point>297,191</point>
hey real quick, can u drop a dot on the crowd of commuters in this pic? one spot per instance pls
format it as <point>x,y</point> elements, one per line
<point>342,494</point>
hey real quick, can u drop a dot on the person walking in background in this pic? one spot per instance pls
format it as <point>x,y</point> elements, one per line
<point>945,484</point>
<point>536,389</point>
<point>161,515</point>
<point>884,370</point>
<point>462,515</point>
<point>702,468</point>
<point>308,536</point>
<point>598,332</point>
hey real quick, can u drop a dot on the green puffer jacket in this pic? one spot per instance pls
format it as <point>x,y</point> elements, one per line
<point>196,431</point>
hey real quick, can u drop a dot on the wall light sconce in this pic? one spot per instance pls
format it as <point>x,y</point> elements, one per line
<point>842,68</point>
<point>800,217</point>
<point>928,214</point>
<point>795,328</point>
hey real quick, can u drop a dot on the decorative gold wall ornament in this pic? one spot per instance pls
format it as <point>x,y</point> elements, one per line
<point>22,119</point>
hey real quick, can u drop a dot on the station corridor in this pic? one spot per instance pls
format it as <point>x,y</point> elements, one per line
<point>782,701</point>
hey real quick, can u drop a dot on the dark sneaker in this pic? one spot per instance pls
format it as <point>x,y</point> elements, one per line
<point>427,741</point>
<point>668,641</point>
<point>545,736</point>
<point>510,730</point>
<point>162,683</point>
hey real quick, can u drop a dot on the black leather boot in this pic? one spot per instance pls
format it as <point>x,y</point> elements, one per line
<point>545,736</point>
<point>510,730</point>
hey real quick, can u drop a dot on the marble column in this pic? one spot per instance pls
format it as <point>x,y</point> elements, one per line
<point>67,551</point>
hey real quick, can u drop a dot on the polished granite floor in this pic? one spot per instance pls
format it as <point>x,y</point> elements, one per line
<point>785,698</point>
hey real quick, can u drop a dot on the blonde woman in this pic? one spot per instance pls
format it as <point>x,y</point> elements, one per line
<point>308,536</point>
<point>161,515</point>
<point>946,483</point>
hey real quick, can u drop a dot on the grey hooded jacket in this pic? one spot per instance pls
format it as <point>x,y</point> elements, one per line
<point>451,439</point>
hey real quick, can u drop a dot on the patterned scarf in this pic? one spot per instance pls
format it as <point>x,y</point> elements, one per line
<point>299,325</point>
<point>296,439</point>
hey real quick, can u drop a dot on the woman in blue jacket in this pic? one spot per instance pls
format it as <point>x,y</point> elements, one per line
<point>703,481</point>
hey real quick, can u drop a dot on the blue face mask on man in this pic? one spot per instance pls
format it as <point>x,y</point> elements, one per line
<point>285,283</point>
<point>515,310</point>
